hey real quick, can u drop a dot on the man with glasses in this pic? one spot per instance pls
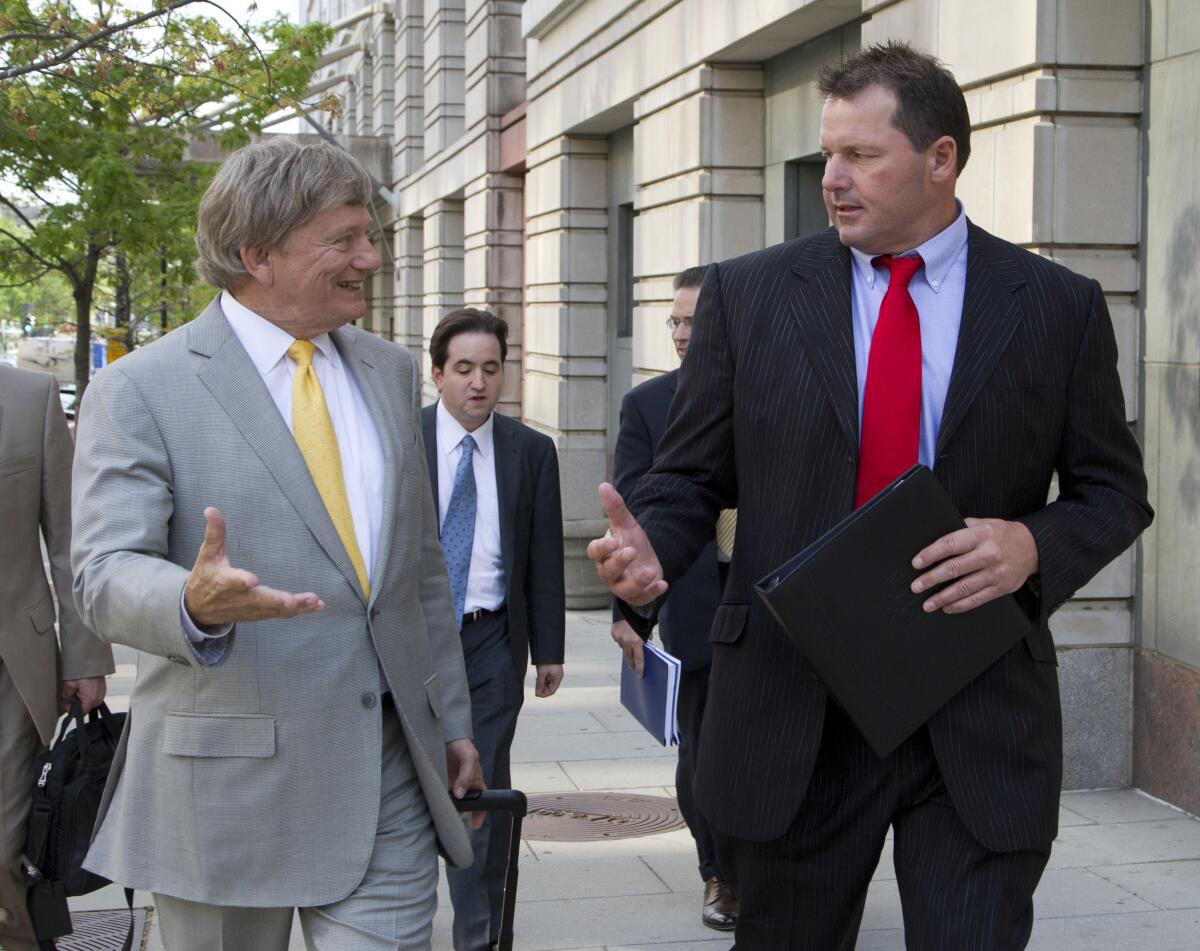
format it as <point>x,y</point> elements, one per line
<point>687,616</point>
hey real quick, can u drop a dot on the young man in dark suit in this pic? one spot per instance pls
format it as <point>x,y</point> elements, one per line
<point>818,370</point>
<point>495,484</point>
<point>688,613</point>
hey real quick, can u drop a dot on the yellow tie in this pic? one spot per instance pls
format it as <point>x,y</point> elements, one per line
<point>726,529</point>
<point>314,434</point>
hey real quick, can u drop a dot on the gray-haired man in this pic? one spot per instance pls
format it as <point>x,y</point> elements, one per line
<point>251,513</point>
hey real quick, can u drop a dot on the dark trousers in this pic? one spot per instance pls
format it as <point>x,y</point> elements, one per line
<point>806,889</point>
<point>693,695</point>
<point>477,893</point>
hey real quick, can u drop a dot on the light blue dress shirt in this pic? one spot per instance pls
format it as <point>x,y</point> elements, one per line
<point>937,290</point>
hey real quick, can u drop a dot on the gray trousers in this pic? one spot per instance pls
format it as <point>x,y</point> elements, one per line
<point>19,748</point>
<point>392,908</point>
<point>477,892</point>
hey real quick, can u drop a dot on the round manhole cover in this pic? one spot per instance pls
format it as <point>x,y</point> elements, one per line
<point>581,817</point>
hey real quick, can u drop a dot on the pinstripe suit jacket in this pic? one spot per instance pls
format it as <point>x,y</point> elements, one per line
<point>767,420</point>
<point>255,781</point>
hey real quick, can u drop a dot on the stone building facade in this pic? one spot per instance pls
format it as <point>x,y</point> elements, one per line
<point>558,161</point>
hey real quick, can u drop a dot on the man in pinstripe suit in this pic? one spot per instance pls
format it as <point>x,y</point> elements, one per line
<point>1016,382</point>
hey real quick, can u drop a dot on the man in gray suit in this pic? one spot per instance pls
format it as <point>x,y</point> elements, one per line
<point>495,485</point>
<point>252,515</point>
<point>39,674</point>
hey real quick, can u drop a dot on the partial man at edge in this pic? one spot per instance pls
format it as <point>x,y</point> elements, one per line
<point>820,369</point>
<point>252,515</point>
<point>495,486</point>
<point>40,673</point>
<point>687,614</point>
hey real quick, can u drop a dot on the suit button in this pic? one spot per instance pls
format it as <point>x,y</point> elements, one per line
<point>368,700</point>
<point>375,612</point>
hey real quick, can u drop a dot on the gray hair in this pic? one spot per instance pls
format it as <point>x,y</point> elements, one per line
<point>263,191</point>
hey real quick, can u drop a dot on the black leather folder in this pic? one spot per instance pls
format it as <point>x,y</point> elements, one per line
<point>845,601</point>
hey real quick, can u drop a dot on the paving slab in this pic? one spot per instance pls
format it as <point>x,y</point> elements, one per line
<point>1147,931</point>
<point>1119,805</point>
<point>1163,884</point>
<point>1125,843</point>
<point>617,774</point>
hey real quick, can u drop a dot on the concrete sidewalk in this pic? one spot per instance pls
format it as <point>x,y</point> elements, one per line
<point>1124,874</point>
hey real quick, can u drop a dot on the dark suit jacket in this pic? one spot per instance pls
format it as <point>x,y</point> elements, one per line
<point>687,614</point>
<point>767,419</point>
<point>531,535</point>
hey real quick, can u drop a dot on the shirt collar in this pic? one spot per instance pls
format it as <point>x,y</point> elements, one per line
<point>450,432</point>
<point>263,341</point>
<point>939,253</point>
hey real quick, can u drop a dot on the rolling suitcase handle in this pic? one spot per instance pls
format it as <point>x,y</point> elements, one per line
<point>513,802</point>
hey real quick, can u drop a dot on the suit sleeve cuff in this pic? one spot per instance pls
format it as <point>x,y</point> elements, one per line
<point>207,646</point>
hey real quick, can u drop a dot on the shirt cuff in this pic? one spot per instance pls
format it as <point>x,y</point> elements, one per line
<point>208,646</point>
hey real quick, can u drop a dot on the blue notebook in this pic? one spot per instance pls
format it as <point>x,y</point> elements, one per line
<point>652,698</point>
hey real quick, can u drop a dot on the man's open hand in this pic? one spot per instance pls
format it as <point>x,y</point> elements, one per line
<point>217,593</point>
<point>624,558</point>
<point>462,766</point>
<point>987,559</point>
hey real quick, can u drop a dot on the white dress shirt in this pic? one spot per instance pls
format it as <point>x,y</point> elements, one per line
<point>358,439</point>
<point>485,580</point>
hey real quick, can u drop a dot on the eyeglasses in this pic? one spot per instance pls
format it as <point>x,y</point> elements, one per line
<point>674,322</point>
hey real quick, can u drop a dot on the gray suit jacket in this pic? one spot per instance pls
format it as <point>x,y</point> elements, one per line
<point>255,781</point>
<point>35,501</point>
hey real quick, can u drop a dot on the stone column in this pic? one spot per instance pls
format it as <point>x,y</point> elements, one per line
<point>1166,738</point>
<point>493,232</point>
<point>444,40</point>
<point>565,330</point>
<point>380,109</point>
<point>408,141</point>
<point>494,60</point>
<point>443,273</point>
<point>408,323</point>
<point>698,164</point>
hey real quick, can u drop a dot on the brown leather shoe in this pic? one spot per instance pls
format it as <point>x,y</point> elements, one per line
<point>720,905</point>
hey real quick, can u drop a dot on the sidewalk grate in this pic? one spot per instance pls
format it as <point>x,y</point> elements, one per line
<point>584,816</point>
<point>103,930</point>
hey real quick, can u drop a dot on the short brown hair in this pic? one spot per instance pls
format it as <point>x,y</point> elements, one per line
<point>929,102</point>
<point>692,277</point>
<point>466,320</point>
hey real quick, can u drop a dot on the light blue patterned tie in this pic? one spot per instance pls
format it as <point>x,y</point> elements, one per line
<point>458,529</point>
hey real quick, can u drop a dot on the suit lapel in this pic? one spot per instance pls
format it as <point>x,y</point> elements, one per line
<point>507,449</point>
<point>991,312</point>
<point>233,380</point>
<point>385,416</point>
<point>820,303</point>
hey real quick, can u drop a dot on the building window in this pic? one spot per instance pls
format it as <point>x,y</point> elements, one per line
<point>803,204</point>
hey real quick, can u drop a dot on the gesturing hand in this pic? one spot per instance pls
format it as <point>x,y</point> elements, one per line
<point>624,557</point>
<point>217,593</point>
<point>987,559</point>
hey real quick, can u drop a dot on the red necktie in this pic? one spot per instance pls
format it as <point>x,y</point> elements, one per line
<point>891,415</point>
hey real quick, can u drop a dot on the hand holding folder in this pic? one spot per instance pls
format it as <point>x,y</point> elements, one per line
<point>654,697</point>
<point>846,602</point>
